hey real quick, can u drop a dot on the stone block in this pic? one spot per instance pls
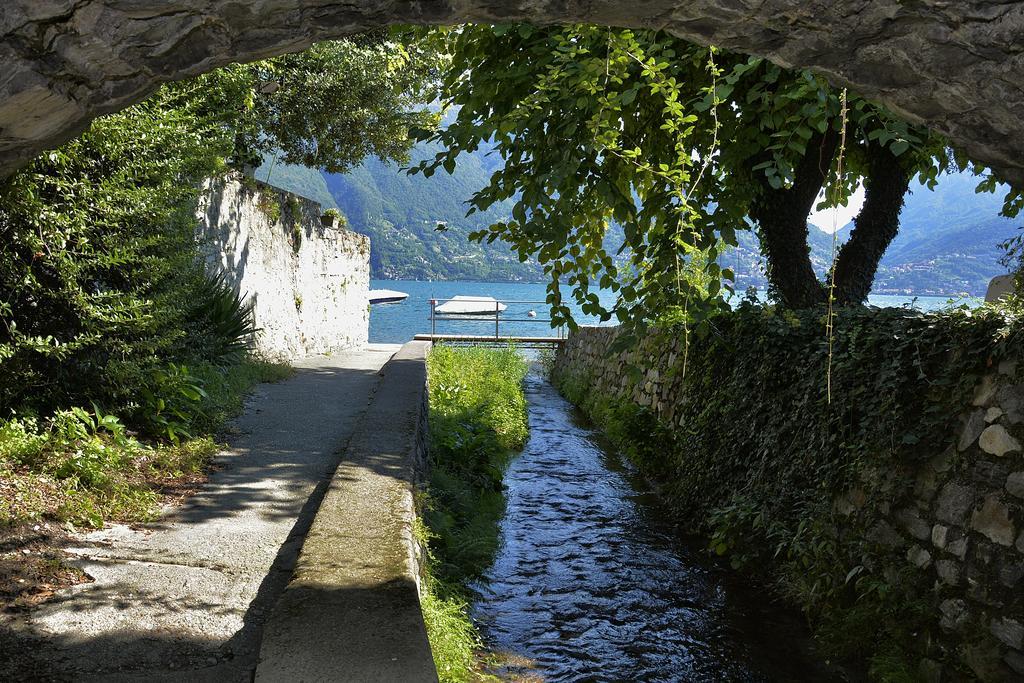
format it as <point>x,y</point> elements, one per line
<point>958,547</point>
<point>985,390</point>
<point>919,557</point>
<point>925,485</point>
<point>1009,631</point>
<point>943,462</point>
<point>883,534</point>
<point>1011,400</point>
<point>992,474</point>
<point>993,414</point>
<point>993,520</point>
<point>911,522</point>
<point>954,502</point>
<point>1011,573</point>
<point>1015,484</point>
<point>1020,542</point>
<point>940,536</point>
<point>979,588</point>
<point>984,554</point>
<point>1015,661</point>
<point>973,427</point>
<point>948,572</point>
<point>997,441</point>
<point>953,614</point>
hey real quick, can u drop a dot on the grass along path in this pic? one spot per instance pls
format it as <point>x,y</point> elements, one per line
<point>477,422</point>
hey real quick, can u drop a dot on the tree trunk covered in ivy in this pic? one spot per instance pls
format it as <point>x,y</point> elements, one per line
<point>781,214</point>
<point>874,228</point>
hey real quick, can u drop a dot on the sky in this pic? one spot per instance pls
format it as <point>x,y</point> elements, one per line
<point>839,216</point>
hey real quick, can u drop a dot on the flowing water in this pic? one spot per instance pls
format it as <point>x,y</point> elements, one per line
<point>593,582</point>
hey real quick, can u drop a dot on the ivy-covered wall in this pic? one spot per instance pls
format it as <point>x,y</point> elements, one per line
<point>309,277</point>
<point>892,512</point>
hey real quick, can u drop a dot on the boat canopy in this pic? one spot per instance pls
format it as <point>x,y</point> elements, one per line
<point>470,305</point>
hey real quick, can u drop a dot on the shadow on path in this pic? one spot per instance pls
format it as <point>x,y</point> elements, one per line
<point>185,597</point>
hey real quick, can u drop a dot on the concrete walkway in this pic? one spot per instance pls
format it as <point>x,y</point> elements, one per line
<point>185,598</point>
<point>351,613</point>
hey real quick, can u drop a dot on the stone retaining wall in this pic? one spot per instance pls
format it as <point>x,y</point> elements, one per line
<point>308,277</point>
<point>958,518</point>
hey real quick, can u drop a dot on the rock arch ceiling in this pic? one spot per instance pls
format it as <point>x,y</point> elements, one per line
<point>956,65</point>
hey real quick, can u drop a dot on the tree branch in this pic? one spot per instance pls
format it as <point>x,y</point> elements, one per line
<point>874,228</point>
<point>781,215</point>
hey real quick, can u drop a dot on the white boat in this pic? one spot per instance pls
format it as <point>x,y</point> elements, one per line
<point>470,305</point>
<point>385,296</point>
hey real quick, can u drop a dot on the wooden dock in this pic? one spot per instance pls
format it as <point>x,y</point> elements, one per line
<point>474,339</point>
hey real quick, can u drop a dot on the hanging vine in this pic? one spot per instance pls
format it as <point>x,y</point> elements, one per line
<point>830,320</point>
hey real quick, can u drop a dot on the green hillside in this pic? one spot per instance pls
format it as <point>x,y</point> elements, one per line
<point>401,215</point>
<point>303,181</point>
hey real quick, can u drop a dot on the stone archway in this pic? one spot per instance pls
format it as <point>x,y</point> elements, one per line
<point>957,66</point>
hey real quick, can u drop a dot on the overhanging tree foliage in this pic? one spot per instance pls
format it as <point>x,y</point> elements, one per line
<point>100,281</point>
<point>329,106</point>
<point>681,145</point>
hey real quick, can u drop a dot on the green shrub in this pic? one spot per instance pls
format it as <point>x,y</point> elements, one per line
<point>21,442</point>
<point>172,402</point>
<point>98,260</point>
<point>222,324</point>
<point>268,204</point>
<point>85,467</point>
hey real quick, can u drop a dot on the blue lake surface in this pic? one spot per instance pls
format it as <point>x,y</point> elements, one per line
<point>397,323</point>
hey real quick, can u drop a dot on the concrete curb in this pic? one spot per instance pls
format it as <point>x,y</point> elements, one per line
<point>352,610</point>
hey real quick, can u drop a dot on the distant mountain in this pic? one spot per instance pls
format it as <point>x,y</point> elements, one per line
<point>402,214</point>
<point>947,244</point>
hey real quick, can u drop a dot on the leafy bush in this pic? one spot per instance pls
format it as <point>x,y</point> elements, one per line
<point>87,468</point>
<point>77,466</point>
<point>98,263</point>
<point>172,401</point>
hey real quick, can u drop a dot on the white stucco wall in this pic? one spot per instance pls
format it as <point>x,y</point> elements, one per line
<point>310,292</point>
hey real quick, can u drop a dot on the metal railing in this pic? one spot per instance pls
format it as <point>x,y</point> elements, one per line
<point>500,316</point>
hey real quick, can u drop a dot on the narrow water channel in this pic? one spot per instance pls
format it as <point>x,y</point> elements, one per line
<point>594,582</point>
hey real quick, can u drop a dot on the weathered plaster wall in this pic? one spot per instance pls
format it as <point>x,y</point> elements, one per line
<point>309,279</point>
<point>957,66</point>
<point>958,518</point>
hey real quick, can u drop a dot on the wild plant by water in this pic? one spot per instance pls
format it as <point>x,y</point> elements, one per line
<point>477,420</point>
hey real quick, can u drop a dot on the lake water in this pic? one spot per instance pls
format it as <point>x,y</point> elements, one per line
<point>397,323</point>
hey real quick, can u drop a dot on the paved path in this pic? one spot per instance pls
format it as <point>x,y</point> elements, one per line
<point>185,598</point>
